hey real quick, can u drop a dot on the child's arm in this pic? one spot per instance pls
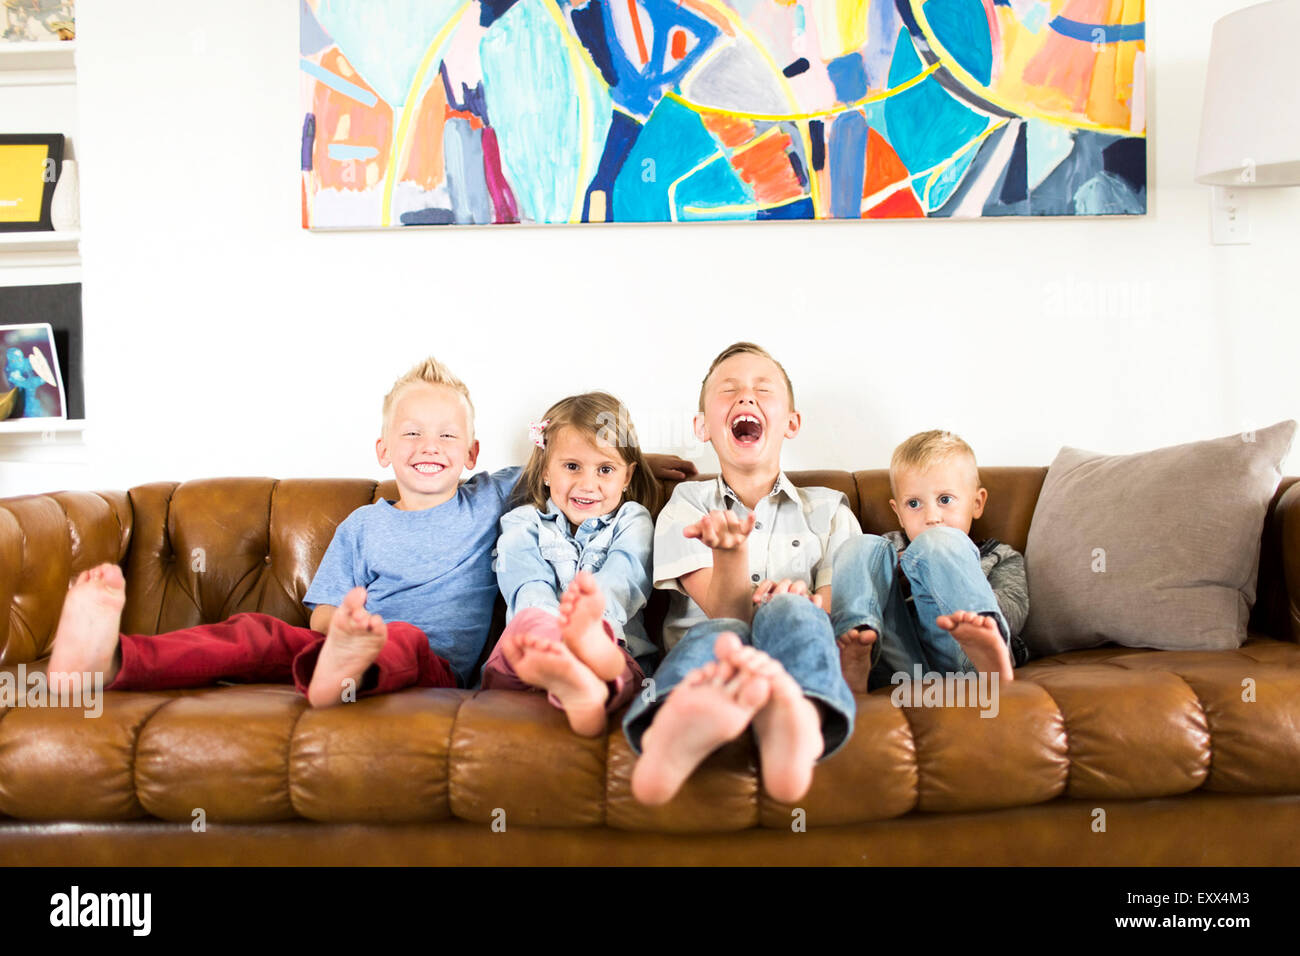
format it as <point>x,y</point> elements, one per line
<point>1011,587</point>
<point>723,590</point>
<point>341,569</point>
<point>844,526</point>
<point>321,617</point>
<point>670,467</point>
<point>624,577</point>
<point>526,579</point>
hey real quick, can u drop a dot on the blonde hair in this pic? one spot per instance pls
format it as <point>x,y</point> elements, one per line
<point>745,348</point>
<point>603,420</point>
<point>926,449</point>
<point>428,372</point>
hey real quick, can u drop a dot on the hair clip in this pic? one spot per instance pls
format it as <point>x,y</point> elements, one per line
<point>535,435</point>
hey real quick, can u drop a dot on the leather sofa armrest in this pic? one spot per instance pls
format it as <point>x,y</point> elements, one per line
<point>1288,521</point>
<point>45,541</point>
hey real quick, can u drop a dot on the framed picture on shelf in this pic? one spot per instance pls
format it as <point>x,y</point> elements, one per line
<point>32,387</point>
<point>39,21</point>
<point>29,170</point>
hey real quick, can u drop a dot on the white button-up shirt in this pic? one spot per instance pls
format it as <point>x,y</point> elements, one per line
<point>796,534</point>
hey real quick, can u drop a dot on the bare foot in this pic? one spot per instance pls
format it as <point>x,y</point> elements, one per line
<point>788,728</point>
<point>980,638</point>
<point>86,640</point>
<point>856,646</point>
<point>711,706</point>
<point>582,607</point>
<point>352,643</point>
<point>550,665</point>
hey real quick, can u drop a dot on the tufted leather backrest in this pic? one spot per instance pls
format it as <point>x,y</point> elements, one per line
<point>202,550</point>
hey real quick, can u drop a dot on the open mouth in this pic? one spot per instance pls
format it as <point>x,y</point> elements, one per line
<point>583,502</point>
<point>746,429</point>
<point>428,468</point>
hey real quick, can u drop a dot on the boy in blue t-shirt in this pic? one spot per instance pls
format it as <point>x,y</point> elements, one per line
<point>403,596</point>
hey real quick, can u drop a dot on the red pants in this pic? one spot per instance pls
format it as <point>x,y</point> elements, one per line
<point>499,675</point>
<point>258,648</point>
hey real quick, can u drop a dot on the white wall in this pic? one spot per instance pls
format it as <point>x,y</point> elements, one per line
<point>224,339</point>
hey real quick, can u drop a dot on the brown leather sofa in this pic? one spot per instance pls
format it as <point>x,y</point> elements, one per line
<point>1107,756</point>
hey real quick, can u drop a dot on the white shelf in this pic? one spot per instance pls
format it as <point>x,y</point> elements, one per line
<point>27,427</point>
<point>19,249</point>
<point>38,64</point>
<point>43,441</point>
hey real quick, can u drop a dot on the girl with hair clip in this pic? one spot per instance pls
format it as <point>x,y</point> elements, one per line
<point>573,564</point>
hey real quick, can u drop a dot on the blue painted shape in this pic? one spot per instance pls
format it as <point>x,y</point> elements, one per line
<point>799,209</point>
<point>1106,194</point>
<point>672,142</point>
<point>533,92</point>
<point>386,42</point>
<point>963,30</point>
<point>589,25</point>
<point>462,150</point>
<point>711,188</point>
<point>848,74</point>
<point>311,37</point>
<point>948,181</point>
<point>1015,185</point>
<point>1055,195</point>
<point>428,217</point>
<point>638,89</point>
<point>623,133</point>
<point>1097,32</point>
<point>468,101</point>
<point>1127,158</point>
<point>1049,144</point>
<point>875,114</point>
<point>338,84</point>
<point>848,156</point>
<point>308,140</point>
<point>881,33</point>
<point>906,64</point>
<point>926,124</point>
<point>817,137</point>
<point>490,11</point>
<point>344,152</point>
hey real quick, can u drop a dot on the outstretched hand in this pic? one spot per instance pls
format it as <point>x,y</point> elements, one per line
<point>721,530</point>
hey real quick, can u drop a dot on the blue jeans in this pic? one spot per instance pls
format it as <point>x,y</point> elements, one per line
<point>792,630</point>
<point>943,568</point>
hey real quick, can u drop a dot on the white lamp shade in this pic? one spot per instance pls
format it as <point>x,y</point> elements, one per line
<point>1250,129</point>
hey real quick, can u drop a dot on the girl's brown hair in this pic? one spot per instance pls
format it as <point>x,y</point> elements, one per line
<point>603,420</point>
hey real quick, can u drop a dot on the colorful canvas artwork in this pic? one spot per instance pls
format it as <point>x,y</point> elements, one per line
<point>32,386</point>
<point>470,112</point>
<point>39,21</point>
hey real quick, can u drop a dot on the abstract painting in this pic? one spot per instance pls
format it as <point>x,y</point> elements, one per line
<point>471,112</point>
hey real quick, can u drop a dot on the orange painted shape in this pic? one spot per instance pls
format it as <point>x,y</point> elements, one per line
<point>884,168</point>
<point>766,167</point>
<point>363,126</point>
<point>678,48</point>
<point>424,166</point>
<point>731,133</point>
<point>901,205</point>
<point>636,27</point>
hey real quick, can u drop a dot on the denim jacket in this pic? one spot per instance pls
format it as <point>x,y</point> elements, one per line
<point>537,557</point>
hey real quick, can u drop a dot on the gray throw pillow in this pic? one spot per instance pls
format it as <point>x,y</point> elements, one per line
<point>1158,549</point>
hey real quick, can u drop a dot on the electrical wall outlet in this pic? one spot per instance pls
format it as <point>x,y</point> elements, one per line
<point>1229,216</point>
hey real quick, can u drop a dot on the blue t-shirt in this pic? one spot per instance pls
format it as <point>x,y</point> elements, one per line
<point>430,568</point>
